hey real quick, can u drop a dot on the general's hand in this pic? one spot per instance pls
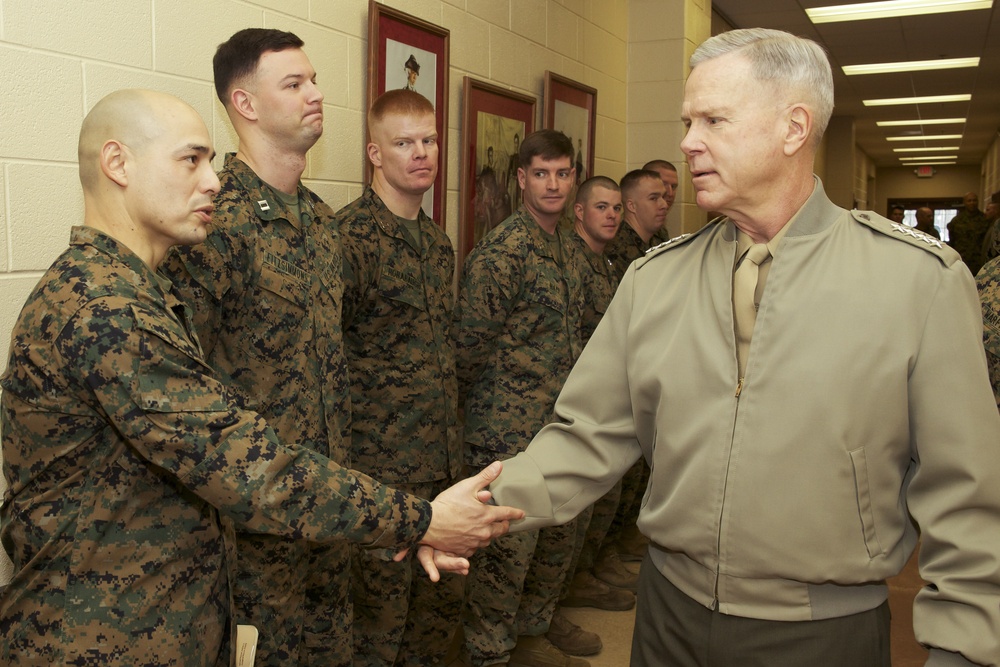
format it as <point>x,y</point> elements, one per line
<point>461,522</point>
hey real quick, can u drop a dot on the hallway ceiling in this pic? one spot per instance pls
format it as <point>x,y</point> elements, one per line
<point>931,37</point>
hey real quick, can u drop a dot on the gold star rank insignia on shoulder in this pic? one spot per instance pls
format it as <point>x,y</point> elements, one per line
<point>917,234</point>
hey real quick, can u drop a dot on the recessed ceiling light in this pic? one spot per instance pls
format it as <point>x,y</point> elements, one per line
<point>912,66</point>
<point>929,157</point>
<point>891,8</point>
<point>926,99</point>
<point>928,149</point>
<point>920,121</point>
<point>925,137</point>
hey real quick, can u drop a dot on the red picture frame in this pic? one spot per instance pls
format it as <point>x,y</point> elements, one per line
<point>495,119</point>
<point>571,108</point>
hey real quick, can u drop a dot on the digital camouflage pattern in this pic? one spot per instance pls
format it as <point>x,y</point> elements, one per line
<point>519,331</point>
<point>626,247</point>
<point>398,309</point>
<point>129,463</point>
<point>965,234</point>
<point>397,321</point>
<point>599,285</point>
<point>266,288</point>
<point>988,281</point>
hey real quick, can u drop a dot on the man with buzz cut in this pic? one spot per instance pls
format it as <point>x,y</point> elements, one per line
<point>597,214</point>
<point>266,288</point>
<point>644,210</point>
<point>668,174</point>
<point>518,334</point>
<point>128,464</point>
<point>397,321</point>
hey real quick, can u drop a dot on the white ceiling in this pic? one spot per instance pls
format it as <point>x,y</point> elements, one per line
<point>953,35</point>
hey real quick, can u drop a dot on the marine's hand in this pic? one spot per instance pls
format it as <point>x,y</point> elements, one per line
<point>461,522</point>
<point>434,562</point>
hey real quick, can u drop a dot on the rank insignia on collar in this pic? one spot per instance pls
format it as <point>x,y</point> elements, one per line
<point>263,205</point>
<point>917,234</point>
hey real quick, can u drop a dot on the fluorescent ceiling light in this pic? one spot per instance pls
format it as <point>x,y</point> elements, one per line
<point>920,121</point>
<point>925,137</point>
<point>928,149</point>
<point>891,8</point>
<point>927,99</point>
<point>930,157</point>
<point>912,66</point>
<point>924,164</point>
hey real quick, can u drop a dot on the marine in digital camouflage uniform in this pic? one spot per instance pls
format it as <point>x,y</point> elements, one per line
<point>600,282</point>
<point>643,219</point>
<point>967,230</point>
<point>266,288</point>
<point>518,332</point>
<point>988,281</point>
<point>398,309</point>
<point>128,463</point>
<point>643,215</point>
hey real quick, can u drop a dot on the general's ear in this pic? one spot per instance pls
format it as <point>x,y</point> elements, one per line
<point>113,159</point>
<point>799,128</point>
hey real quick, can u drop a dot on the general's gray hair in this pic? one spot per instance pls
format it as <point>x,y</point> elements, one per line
<point>779,57</point>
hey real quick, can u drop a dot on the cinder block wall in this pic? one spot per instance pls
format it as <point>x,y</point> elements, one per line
<point>58,57</point>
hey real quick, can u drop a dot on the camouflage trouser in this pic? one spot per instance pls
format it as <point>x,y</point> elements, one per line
<point>400,616</point>
<point>633,489</point>
<point>582,522</point>
<point>513,585</point>
<point>297,596</point>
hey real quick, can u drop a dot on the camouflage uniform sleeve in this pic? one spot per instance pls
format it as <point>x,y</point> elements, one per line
<point>150,381</point>
<point>202,275</point>
<point>988,282</point>
<point>358,257</point>
<point>490,283</point>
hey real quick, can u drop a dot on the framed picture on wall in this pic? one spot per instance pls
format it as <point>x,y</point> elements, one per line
<point>407,52</point>
<point>571,108</point>
<point>495,121</point>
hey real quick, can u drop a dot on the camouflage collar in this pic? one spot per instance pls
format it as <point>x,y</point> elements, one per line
<point>81,235</point>
<point>387,222</point>
<point>267,206</point>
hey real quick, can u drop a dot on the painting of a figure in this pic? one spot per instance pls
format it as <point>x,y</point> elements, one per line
<point>496,189</point>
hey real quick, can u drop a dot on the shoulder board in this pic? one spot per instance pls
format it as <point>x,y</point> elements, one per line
<point>675,242</point>
<point>907,234</point>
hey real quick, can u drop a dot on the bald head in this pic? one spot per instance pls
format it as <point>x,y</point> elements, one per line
<point>132,117</point>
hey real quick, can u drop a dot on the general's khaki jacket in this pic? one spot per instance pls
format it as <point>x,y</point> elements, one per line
<point>866,404</point>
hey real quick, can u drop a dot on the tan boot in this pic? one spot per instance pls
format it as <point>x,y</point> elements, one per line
<point>586,590</point>
<point>610,569</point>
<point>632,545</point>
<point>539,652</point>
<point>570,638</point>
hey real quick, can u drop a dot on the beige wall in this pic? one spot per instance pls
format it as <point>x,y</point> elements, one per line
<point>901,182</point>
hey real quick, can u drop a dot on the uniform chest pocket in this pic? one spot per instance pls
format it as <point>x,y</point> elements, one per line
<point>173,376</point>
<point>278,324</point>
<point>548,291</point>
<point>400,287</point>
